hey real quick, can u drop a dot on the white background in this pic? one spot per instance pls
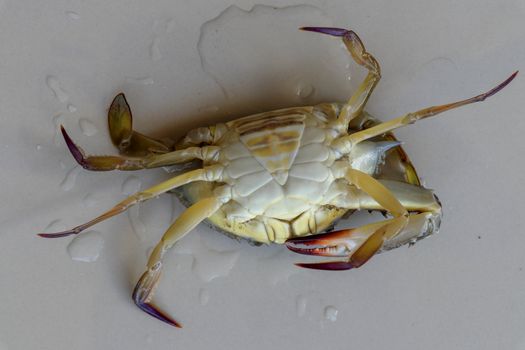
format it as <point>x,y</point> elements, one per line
<point>461,289</point>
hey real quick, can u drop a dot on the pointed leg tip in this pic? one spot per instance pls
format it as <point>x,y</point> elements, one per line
<point>56,235</point>
<point>152,310</point>
<point>143,292</point>
<point>501,85</point>
<point>74,149</point>
<point>326,30</point>
<point>328,265</point>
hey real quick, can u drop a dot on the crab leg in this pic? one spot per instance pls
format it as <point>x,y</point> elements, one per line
<point>345,143</point>
<point>412,197</point>
<point>152,160</point>
<point>364,241</point>
<point>145,288</point>
<point>211,173</point>
<point>355,46</point>
<point>129,142</point>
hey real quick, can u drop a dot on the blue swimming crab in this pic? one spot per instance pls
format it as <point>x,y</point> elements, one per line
<point>284,176</point>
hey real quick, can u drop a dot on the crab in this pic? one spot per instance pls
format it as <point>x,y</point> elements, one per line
<point>284,177</point>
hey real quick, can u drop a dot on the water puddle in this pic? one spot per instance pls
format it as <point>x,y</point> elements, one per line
<point>70,179</point>
<point>58,120</point>
<point>86,247</point>
<point>261,61</point>
<point>154,50</point>
<point>87,127</point>
<point>90,200</point>
<point>208,263</point>
<point>53,84</point>
<point>278,267</point>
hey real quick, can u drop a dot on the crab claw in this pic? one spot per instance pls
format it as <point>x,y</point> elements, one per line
<point>356,244</point>
<point>143,293</point>
<point>98,163</point>
<point>326,30</point>
<point>333,244</point>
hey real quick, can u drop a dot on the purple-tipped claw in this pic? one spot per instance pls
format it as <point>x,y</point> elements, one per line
<point>76,151</point>
<point>98,163</point>
<point>326,30</point>
<point>143,292</point>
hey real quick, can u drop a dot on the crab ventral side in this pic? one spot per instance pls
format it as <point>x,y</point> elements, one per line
<point>284,176</point>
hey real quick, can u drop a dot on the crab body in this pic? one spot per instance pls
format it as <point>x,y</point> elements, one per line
<point>283,174</point>
<point>283,177</point>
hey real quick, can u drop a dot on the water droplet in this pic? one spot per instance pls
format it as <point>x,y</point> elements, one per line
<point>69,180</point>
<point>300,305</point>
<point>330,313</point>
<point>131,185</point>
<point>54,85</point>
<point>62,164</point>
<point>304,91</point>
<point>276,269</point>
<point>71,108</point>
<point>73,15</point>
<point>86,247</point>
<point>38,147</point>
<point>154,50</point>
<point>214,264</point>
<point>89,200</point>
<point>57,121</point>
<point>87,127</point>
<point>137,225</point>
<point>204,296</point>
<point>142,80</point>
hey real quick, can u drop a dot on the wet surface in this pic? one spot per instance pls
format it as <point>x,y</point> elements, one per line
<point>63,64</point>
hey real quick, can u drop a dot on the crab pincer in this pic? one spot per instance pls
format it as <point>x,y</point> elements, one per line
<point>357,245</point>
